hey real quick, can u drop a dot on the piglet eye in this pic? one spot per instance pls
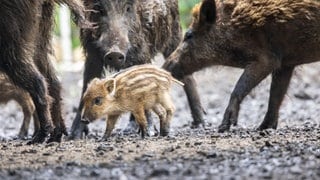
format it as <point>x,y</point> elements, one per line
<point>97,101</point>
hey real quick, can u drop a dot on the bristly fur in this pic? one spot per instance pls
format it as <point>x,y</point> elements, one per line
<point>25,34</point>
<point>261,36</point>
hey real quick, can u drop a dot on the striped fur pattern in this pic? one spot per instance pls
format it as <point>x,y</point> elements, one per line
<point>136,89</point>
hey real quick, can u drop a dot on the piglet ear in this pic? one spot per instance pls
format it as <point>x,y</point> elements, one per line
<point>208,12</point>
<point>110,85</point>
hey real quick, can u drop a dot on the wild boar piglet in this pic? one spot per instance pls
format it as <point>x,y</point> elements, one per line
<point>136,89</point>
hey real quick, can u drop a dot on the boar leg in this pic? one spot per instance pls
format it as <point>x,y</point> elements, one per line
<point>110,121</point>
<point>194,101</point>
<point>141,119</point>
<point>280,82</point>
<point>36,86</point>
<point>54,89</point>
<point>93,68</point>
<point>55,92</point>
<point>253,74</point>
<point>36,123</point>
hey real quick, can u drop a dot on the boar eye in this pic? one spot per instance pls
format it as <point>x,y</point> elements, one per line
<point>128,8</point>
<point>188,35</point>
<point>97,101</point>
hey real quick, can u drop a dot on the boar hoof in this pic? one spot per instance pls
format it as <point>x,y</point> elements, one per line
<point>78,133</point>
<point>197,124</point>
<point>23,135</point>
<point>266,125</point>
<point>39,137</point>
<point>55,136</point>
<point>223,128</point>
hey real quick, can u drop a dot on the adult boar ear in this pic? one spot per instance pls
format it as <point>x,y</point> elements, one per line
<point>110,85</point>
<point>208,12</point>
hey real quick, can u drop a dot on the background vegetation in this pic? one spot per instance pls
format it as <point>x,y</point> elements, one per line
<point>185,7</point>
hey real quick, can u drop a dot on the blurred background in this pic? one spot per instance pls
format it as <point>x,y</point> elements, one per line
<point>66,35</point>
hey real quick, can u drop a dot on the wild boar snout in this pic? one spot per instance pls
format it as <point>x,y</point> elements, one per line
<point>115,56</point>
<point>174,68</point>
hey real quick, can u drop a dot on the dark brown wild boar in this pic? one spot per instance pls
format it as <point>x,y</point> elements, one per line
<point>261,36</point>
<point>25,33</point>
<point>131,32</point>
<point>8,92</point>
<point>136,89</point>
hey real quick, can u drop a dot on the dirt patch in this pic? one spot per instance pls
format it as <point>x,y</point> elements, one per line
<point>288,153</point>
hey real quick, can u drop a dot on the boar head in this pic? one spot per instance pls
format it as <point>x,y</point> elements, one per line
<point>118,36</point>
<point>98,99</point>
<point>200,42</point>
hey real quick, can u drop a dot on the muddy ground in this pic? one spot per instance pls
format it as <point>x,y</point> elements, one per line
<point>290,152</point>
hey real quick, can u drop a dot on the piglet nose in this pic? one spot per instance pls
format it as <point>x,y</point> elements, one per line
<point>115,57</point>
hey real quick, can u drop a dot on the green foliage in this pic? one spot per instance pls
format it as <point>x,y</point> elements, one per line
<point>185,7</point>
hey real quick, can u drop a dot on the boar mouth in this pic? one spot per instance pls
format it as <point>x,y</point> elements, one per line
<point>174,68</point>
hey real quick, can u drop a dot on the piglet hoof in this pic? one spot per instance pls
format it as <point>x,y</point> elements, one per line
<point>56,135</point>
<point>143,132</point>
<point>38,138</point>
<point>164,132</point>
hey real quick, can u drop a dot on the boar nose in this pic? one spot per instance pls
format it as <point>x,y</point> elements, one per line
<point>115,57</point>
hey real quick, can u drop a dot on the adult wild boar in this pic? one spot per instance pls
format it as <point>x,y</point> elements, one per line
<point>25,33</point>
<point>261,36</point>
<point>131,32</point>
